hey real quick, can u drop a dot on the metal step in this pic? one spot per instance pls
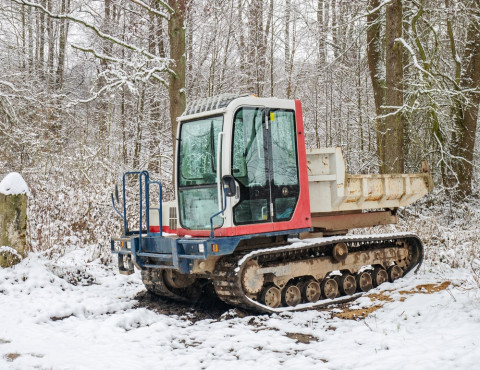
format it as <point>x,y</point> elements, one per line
<point>163,267</point>
<point>191,256</point>
<point>160,256</point>
<point>169,257</point>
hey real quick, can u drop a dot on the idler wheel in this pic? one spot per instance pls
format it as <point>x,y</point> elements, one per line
<point>394,273</point>
<point>311,291</point>
<point>175,279</point>
<point>291,295</point>
<point>271,296</point>
<point>251,281</point>
<point>347,284</point>
<point>340,252</point>
<point>329,288</point>
<point>379,276</point>
<point>364,281</point>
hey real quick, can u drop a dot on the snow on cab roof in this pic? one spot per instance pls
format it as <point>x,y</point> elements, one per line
<point>211,103</point>
<point>14,184</point>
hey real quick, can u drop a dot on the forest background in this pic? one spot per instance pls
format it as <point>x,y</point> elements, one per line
<point>90,89</point>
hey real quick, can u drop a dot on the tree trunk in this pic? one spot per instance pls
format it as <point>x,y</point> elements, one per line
<point>256,50</point>
<point>51,45</point>
<point>288,8</point>
<point>467,112</point>
<point>241,38</point>
<point>24,37</point>
<point>62,43</point>
<point>13,226</point>
<point>393,150</point>
<point>374,55</point>
<point>155,46</point>
<point>138,137</point>
<point>31,66</point>
<point>226,53</point>
<point>272,46</point>
<point>123,121</point>
<point>160,43</point>
<point>321,34</point>
<point>41,42</point>
<point>176,86</point>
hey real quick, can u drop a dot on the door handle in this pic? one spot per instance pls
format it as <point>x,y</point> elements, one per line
<point>219,175</point>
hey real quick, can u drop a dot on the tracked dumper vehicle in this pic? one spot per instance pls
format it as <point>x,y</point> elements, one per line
<point>263,218</point>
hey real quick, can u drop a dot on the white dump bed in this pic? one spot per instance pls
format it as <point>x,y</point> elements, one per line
<point>333,190</point>
<point>169,216</point>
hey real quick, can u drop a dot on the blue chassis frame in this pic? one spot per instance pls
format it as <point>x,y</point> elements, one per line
<point>154,250</point>
<point>167,252</point>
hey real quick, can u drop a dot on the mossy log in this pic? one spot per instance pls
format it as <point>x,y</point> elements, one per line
<point>13,227</point>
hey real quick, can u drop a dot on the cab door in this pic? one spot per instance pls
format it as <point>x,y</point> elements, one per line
<point>264,164</point>
<point>283,163</point>
<point>250,166</point>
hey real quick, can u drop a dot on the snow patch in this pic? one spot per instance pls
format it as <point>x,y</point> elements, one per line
<point>10,250</point>
<point>14,184</point>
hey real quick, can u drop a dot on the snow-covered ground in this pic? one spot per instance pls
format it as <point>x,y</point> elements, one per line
<point>66,314</point>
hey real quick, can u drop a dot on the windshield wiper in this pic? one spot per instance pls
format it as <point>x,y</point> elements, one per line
<point>212,147</point>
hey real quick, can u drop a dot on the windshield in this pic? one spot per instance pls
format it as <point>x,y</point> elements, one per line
<point>197,172</point>
<point>198,151</point>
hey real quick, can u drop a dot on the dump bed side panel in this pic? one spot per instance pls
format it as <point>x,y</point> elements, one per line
<point>333,190</point>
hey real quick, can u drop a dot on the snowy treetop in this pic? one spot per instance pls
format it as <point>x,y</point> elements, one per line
<point>14,184</point>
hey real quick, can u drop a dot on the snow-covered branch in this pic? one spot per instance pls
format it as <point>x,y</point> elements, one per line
<point>145,71</point>
<point>153,10</point>
<point>90,26</point>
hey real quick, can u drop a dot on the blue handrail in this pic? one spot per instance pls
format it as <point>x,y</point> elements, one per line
<point>147,201</point>
<point>141,175</point>
<point>115,208</point>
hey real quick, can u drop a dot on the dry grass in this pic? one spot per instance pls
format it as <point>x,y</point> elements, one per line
<point>10,357</point>
<point>384,297</point>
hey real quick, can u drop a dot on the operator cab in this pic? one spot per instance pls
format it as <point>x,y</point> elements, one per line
<point>257,146</point>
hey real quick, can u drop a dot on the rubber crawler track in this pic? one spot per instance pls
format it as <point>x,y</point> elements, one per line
<point>154,281</point>
<point>228,272</point>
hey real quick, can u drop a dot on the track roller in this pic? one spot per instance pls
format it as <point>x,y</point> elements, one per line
<point>340,252</point>
<point>291,295</point>
<point>364,281</point>
<point>379,276</point>
<point>271,296</point>
<point>347,284</point>
<point>311,291</point>
<point>329,288</point>
<point>394,273</point>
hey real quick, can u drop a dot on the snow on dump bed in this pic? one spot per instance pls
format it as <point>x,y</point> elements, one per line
<point>14,184</point>
<point>78,315</point>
